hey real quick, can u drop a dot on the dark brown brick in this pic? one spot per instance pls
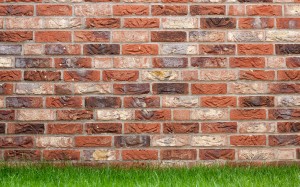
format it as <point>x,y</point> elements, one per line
<point>256,101</point>
<point>132,89</point>
<point>178,154</point>
<point>132,141</point>
<point>103,102</point>
<point>213,23</point>
<point>170,88</point>
<point>20,155</point>
<point>288,127</point>
<point>214,154</point>
<point>25,128</point>
<point>101,49</point>
<point>181,127</point>
<point>168,36</point>
<point>284,140</point>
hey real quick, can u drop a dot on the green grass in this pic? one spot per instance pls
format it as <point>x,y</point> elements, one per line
<point>46,175</point>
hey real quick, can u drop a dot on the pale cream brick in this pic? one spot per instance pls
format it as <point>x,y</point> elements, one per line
<point>170,140</point>
<point>180,101</point>
<point>180,23</point>
<point>6,62</point>
<point>107,115</point>
<point>50,142</point>
<point>209,114</point>
<point>160,75</point>
<point>36,115</point>
<point>209,140</point>
<point>245,36</point>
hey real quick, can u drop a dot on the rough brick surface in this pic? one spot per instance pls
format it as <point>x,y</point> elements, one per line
<point>150,80</point>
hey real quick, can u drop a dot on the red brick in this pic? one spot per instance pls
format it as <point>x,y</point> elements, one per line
<point>168,36</point>
<point>141,128</point>
<point>24,102</point>
<point>140,154</point>
<point>103,22</point>
<point>288,23</point>
<point>83,75</point>
<point>74,114</point>
<point>256,23</point>
<point>255,49</point>
<point>120,75</point>
<point>64,128</point>
<point>247,114</point>
<point>247,62</point>
<point>52,36</point>
<point>257,75</point>
<point>167,10</point>
<point>153,114</point>
<point>180,128</point>
<point>15,36</point>
<point>99,128</point>
<point>42,75</point>
<point>13,75</point>
<point>224,101</point>
<point>220,127</point>
<point>91,36</point>
<point>93,141</point>
<point>145,102</point>
<point>54,10</point>
<point>251,140</point>
<point>207,10</point>
<point>64,101</point>
<point>25,128</point>
<point>16,10</point>
<point>61,155</point>
<point>140,49</point>
<point>178,154</point>
<point>214,154</point>
<point>141,23</point>
<point>264,10</point>
<point>288,75</point>
<point>209,88</point>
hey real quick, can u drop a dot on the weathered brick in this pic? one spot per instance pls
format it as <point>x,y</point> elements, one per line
<point>100,154</point>
<point>257,75</point>
<point>122,10</point>
<point>288,127</point>
<point>101,49</point>
<point>16,142</point>
<point>16,10</point>
<point>170,140</point>
<point>141,23</point>
<point>10,49</point>
<point>110,115</point>
<point>135,89</point>
<point>278,88</point>
<point>6,62</point>
<point>120,75</point>
<point>284,140</point>
<point>178,49</point>
<point>51,141</point>
<point>222,49</point>
<point>103,22</point>
<point>64,101</point>
<point>169,62</point>
<point>22,155</point>
<point>284,114</point>
<point>256,154</point>
<point>208,62</point>
<point>225,101</point>
<point>180,128</point>
<point>62,49</point>
<point>132,141</point>
<point>213,154</point>
<point>256,23</point>
<point>34,88</point>
<point>256,127</point>
<point>36,115</point>
<point>92,10</point>
<point>209,114</point>
<point>179,23</point>
<point>170,88</point>
<point>167,10</point>
<point>74,114</point>
<point>140,154</point>
<point>153,114</point>
<point>82,75</point>
<point>168,36</point>
<point>130,36</point>
<point>42,75</point>
<point>132,62</point>
<point>285,49</point>
<point>209,88</point>
<point>64,128</point>
<point>33,62</point>
<point>206,36</point>
<point>98,128</point>
<point>13,75</point>
<point>209,140</point>
<point>24,102</point>
<point>220,127</point>
<point>252,140</point>
<point>61,23</point>
<point>215,75</point>
<point>25,128</point>
<point>102,102</point>
<point>214,23</point>
<point>140,128</point>
<point>23,23</point>
<point>142,102</point>
<point>53,10</point>
<point>178,154</point>
<point>256,101</point>
<point>61,155</point>
<point>180,101</point>
<point>93,141</point>
<point>207,10</point>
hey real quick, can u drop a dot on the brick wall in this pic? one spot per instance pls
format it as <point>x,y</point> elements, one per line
<point>150,80</point>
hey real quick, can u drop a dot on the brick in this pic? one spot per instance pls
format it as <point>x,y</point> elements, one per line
<point>179,23</point>
<point>73,62</point>
<point>214,154</point>
<point>167,10</point>
<point>168,36</point>
<point>283,36</point>
<point>123,10</point>
<point>64,101</point>
<point>23,23</point>
<point>54,10</point>
<point>256,154</point>
<point>120,75</point>
<point>132,62</point>
<point>214,23</point>
<point>102,102</point>
<point>288,23</point>
<point>179,128</point>
<point>98,128</point>
<point>170,140</point>
<point>278,88</point>
<point>62,49</point>
<point>256,101</point>
<point>252,140</point>
<point>209,140</point>
<point>130,36</point>
<point>92,10</point>
<point>246,36</point>
<point>22,155</point>
<point>292,62</point>
<point>247,114</point>
<point>256,127</point>
<point>181,115</point>
<point>142,102</point>
<point>33,62</point>
<point>93,141</point>
<point>208,62</point>
<point>209,114</point>
<point>288,127</point>
<point>256,23</point>
<point>284,140</point>
<point>103,22</point>
<point>255,49</point>
<point>101,49</point>
<point>140,154</point>
<point>6,62</point>
<point>141,128</point>
<point>33,49</point>
<point>216,75</point>
<point>63,89</point>
<point>170,88</point>
<point>178,154</point>
<point>52,36</point>
<point>82,75</point>
<point>2,128</point>
<point>206,36</point>
<point>247,62</point>
<point>140,49</point>
<point>134,89</point>
<point>74,114</point>
<point>100,154</point>
<point>247,88</point>
<point>110,115</point>
<point>132,141</point>
<point>54,142</point>
<point>16,142</point>
<point>257,75</point>
<point>92,88</point>
<point>42,76</point>
<point>25,128</point>
<point>61,155</point>
<point>15,36</point>
<point>16,10</point>
<point>225,101</point>
<point>24,102</point>
<point>160,75</point>
<point>207,10</point>
<point>178,49</point>
<point>285,49</point>
<point>291,10</point>
<point>284,114</point>
<point>287,101</point>
<point>218,88</point>
<point>10,75</point>
<point>64,128</point>
<point>237,10</point>
<point>222,49</point>
<point>180,101</point>
<point>10,49</point>
<point>220,127</point>
<point>264,10</point>
<point>141,23</point>
<point>34,88</point>
<point>169,62</point>
<point>275,62</point>
<point>61,23</point>
<point>36,115</point>
<point>153,115</point>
